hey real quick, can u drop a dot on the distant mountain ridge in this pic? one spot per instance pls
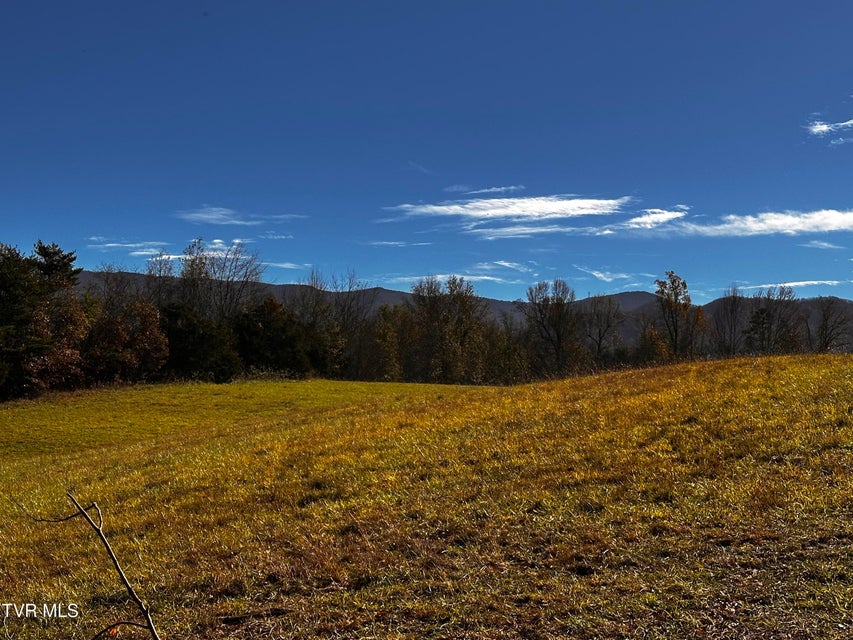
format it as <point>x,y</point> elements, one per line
<point>637,306</point>
<point>628,301</point>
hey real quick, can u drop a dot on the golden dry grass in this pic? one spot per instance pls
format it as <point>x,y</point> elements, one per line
<point>703,500</point>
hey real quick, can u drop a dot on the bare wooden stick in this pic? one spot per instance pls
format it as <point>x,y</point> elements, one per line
<point>35,518</point>
<point>146,613</point>
<point>99,529</point>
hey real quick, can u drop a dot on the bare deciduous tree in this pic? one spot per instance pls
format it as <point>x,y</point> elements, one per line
<point>774,325</point>
<point>833,324</point>
<point>599,320</point>
<point>352,307</point>
<point>728,322</point>
<point>218,282</point>
<point>552,320</point>
<point>160,279</point>
<point>194,285</point>
<point>234,274</point>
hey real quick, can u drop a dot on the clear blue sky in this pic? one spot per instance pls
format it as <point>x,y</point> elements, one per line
<point>508,142</point>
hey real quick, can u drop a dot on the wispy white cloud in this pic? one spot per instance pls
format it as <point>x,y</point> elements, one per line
<point>517,266</point>
<point>441,277</point>
<point>510,189</point>
<point>135,249</point>
<point>163,256</point>
<point>819,244</point>
<point>503,264</point>
<point>419,168</point>
<point>457,188</point>
<point>143,253</point>
<point>287,265</point>
<point>218,247</point>
<point>216,215</point>
<point>530,217</point>
<point>397,243</point>
<point>532,209</point>
<point>495,272</point>
<point>207,214</point>
<point>525,231</point>
<point>820,128</point>
<point>787,223</point>
<point>279,217</point>
<point>652,218</point>
<point>275,235</point>
<point>673,222</point>
<point>798,283</point>
<point>604,276</point>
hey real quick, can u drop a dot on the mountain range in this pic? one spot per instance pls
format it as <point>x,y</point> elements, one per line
<point>636,306</point>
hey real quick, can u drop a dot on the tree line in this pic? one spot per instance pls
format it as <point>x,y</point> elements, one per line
<point>205,316</point>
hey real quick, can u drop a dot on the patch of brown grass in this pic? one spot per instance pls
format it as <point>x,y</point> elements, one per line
<point>706,500</point>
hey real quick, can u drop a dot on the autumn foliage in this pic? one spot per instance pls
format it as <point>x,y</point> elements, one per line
<point>204,316</point>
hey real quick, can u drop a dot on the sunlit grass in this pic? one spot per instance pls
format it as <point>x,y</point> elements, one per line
<point>700,500</point>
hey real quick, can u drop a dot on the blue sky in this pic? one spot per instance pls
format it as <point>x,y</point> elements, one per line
<point>508,142</point>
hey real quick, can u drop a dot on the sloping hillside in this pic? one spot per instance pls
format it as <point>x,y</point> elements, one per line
<point>704,500</point>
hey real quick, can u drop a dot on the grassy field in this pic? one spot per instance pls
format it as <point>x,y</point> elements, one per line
<point>702,500</point>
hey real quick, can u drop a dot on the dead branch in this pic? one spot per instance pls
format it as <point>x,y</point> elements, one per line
<point>35,518</point>
<point>98,527</point>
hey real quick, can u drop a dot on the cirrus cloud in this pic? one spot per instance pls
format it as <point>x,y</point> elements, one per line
<point>653,218</point>
<point>509,189</point>
<point>820,128</point>
<point>441,277</point>
<point>797,283</point>
<point>135,249</point>
<point>787,223</point>
<point>287,265</point>
<point>496,265</point>
<point>207,214</point>
<point>216,215</point>
<point>532,209</point>
<point>604,276</point>
<point>819,244</point>
<point>397,243</point>
<point>526,231</point>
